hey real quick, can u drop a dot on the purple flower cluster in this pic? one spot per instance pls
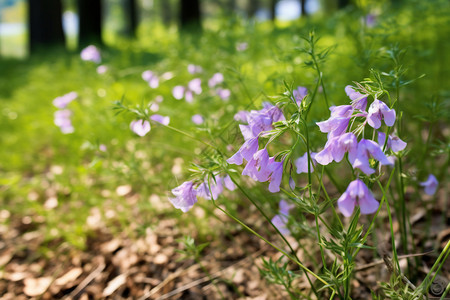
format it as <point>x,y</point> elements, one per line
<point>215,80</point>
<point>91,53</point>
<point>185,195</point>
<point>187,92</point>
<point>193,69</point>
<point>62,117</point>
<point>63,121</point>
<point>151,78</point>
<point>62,101</point>
<point>342,140</point>
<point>260,166</point>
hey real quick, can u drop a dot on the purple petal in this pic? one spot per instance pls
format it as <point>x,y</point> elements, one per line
<point>276,176</point>
<point>140,127</point>
<point>229,184</point>
<point>178,92</point>
<point>185,196</point>
<point>160,119</point>
<point>430,185</point>
<point>346,204</point>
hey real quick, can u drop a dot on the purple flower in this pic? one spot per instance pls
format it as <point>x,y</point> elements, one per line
<point>102,69</point>
<point>302,163</point>
<point>341,111</point>
<point>299,93</point>
<point>366,148</point>
<point>91,53</point>
<point>229,184</point>
<point>151,78</point>
<point>241,46</point>
<point>194,69</point>
<point>185,196</point>
<point>256,167</point>
<point>359,101</point>
<point>379,110</point>
<point>63,121</point>
<point>394,142</point>
<point>216,79</point>
<point>140,127</point>
<point>276,175</point>
<point>246,151</point>
<point>224,94</point>
<point>335,126</point>
<point>371,20</point>
<point>154,107</point>
<point>357,193</point>
<point>241,116</point>
<point>160,119</point>
<point>102,147</point>
<point>195,85</point>
<point>216,189</point>
<point>198,119</point>
<point>178,92</point>
<point>336,147</point>
<point>430,186</point>
<point>63,101</point>
<point>280,221</point>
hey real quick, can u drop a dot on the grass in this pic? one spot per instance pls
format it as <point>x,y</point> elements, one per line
<point>121,186</point>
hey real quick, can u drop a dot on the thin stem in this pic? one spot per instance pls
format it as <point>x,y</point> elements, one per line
<point>394,249</point>
<point>378,211</point>
<point>296,259</point>
<point>272,245</point>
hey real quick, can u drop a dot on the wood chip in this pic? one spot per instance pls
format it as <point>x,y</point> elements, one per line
<point>69,276</point>
<point>114,284</point>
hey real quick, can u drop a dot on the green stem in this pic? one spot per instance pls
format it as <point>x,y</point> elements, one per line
<point>378,211</point>
<point>272,245</point>
<point>270,222</point>
<point>394,249</point>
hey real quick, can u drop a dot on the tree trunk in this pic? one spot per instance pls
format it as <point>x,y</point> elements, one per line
<point>252,8</point>
<point>166,12</point>
<point>90,15</point>
<point>190,15</point>
<point>343,3</point>
<point>273,4</point>
<point>45,24</point>
<point>303,7</point>
<point>131,17</point>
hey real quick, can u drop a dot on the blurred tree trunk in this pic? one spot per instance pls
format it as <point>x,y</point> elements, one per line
<point>131,16</point>
<point>45,24</point>
<point>166,12</point>
<point>343,3</point>
<point>303,7</point>
<point>90,15</point>
<point>273,4</point>
<point>190,15</point>
<point>252,8</point>
<point>231,5</point>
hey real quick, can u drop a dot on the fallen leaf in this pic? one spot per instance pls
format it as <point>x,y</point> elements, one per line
<point>36,286</point>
